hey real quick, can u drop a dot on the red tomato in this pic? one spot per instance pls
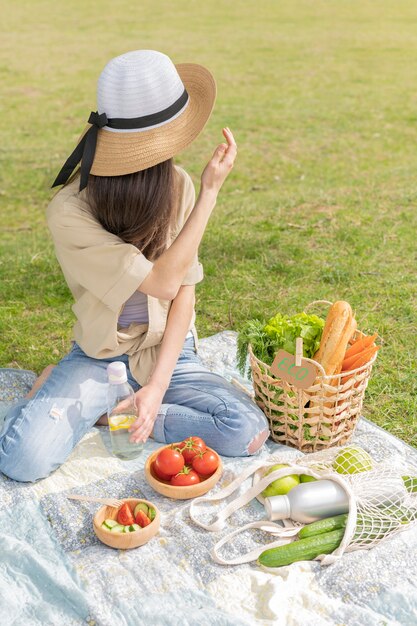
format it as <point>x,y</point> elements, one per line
<point>160,474</point>
<point>206,462</point>
<point>190,447</point>
<point>185,478</point>
<point>125,515</point>
<point>169,461</point>
<point>142,519</point>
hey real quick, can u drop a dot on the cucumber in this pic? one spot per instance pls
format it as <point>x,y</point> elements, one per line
<point>117,529</point>
<point>140,507</point>
<point>323,526</point>
<point>134,527</point>
<point>151,514</point>
<point>109,523</point>
<point>302,550</point>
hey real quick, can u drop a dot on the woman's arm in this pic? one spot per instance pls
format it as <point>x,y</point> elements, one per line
<point>168,271</point>
<point>149,397</point>
<point>178,323</point>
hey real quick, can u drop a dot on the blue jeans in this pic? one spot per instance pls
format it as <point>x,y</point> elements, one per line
<point>39,433</point>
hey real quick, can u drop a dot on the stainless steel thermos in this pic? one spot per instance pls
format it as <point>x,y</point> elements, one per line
<point>308,502</point>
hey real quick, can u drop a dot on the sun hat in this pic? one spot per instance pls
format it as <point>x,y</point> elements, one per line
<point>148,110</point>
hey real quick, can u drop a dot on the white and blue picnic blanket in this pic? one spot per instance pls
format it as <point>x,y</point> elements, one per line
<point>54,571</point>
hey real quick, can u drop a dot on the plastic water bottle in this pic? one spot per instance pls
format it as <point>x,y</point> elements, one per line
<point>121,420</point>
<point>309,502</point>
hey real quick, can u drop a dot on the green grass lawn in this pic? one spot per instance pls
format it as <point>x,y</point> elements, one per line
<point>322,98</point>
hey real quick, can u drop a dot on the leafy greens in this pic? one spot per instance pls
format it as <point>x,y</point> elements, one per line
<point>280,332</point>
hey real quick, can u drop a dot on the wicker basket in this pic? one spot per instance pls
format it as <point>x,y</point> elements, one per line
<point>315,418</point>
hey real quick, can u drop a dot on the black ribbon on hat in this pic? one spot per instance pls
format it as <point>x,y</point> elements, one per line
<point>86,148</point>
<point>84,152</point>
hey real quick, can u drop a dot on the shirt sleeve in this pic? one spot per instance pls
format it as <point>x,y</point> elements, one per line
<point>195,273</point>
<point>94,259</point>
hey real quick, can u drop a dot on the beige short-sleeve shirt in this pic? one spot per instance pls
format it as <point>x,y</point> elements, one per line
<point>102,272</point>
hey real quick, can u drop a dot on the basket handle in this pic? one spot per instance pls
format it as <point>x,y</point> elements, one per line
<point>318,302</point>
<point>330,304</point>
<point>318,365</point>
<point>362,367</point>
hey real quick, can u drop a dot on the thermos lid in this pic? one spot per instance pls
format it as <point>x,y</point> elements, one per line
<point>116,372</point>
<point>277,507</point>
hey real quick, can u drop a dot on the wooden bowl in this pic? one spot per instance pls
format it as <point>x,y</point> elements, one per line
<point>180,493</point>
<point>125,541</point>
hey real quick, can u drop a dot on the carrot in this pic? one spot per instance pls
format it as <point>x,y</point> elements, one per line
<point>364,357</point>
<point>360,344</point>
<point>348,362</point>
<point>361,359</point>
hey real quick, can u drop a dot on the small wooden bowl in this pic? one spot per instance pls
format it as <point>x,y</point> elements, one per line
<point>125,541</point>
<point>180,493</point>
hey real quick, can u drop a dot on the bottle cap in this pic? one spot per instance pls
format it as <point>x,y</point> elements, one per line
<point>116,372</point>
<point>277,507</point>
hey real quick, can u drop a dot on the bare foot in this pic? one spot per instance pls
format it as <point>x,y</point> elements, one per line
<point>40,380</point>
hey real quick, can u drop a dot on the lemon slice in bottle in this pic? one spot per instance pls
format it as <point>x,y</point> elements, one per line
<point>117,422</point>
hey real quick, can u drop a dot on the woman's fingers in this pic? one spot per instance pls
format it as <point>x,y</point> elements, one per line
<point>226,152</point>
<point>229,137</point>
<point>141,435</point>
<point>136,424</point>
<point>124,405</point>
<point>221,163</point>
<point>231,143</point>
<point>219,153</point>
<point>141,429</point>
<point>230,153</point>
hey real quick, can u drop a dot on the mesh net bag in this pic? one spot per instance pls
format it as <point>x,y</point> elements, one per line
<point>319,417</point>
<point>382,496</point>
<point>382,500</point>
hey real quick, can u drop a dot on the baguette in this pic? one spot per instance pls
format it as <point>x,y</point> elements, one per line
<point>338,329</point>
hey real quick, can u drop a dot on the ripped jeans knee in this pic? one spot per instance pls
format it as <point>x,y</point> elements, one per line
<point>250,426</point>
<point>258,441</point>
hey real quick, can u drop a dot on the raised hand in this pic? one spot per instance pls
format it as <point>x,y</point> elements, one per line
<point>221,163</point>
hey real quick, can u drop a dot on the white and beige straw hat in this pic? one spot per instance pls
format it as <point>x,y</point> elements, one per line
<point>148,110</point>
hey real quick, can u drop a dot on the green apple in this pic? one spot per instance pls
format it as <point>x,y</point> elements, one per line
<point>305,478</point>
<point>281,486</point>
<point>410,483</point>
<point>352,460</point>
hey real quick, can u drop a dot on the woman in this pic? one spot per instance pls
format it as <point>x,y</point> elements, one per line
<point>126,229</point>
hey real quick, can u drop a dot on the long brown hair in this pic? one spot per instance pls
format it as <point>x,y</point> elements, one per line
<point>140,208</point>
